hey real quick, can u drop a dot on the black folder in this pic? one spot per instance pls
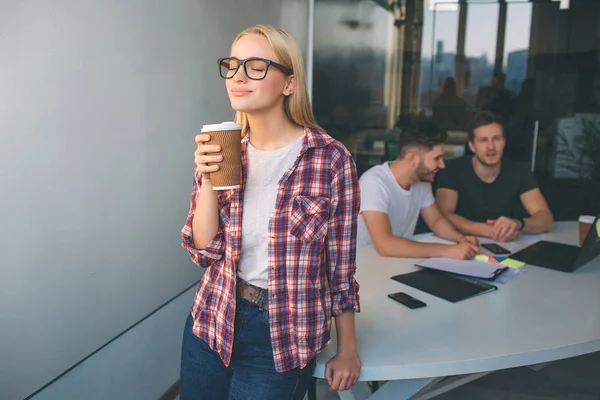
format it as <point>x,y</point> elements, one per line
<point>443,285</point>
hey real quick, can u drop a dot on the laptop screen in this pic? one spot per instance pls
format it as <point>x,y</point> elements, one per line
<point>591,245</point>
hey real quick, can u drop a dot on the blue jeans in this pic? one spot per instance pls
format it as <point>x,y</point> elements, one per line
<point>251,373</point>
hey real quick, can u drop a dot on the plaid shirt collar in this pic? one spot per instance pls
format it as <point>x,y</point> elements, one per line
<point>313,138</point>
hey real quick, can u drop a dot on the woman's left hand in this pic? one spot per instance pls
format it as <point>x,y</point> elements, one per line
<point>342,371</point>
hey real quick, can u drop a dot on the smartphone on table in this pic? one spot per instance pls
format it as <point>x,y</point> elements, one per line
<point>495,248</point>
<point>407,300</point>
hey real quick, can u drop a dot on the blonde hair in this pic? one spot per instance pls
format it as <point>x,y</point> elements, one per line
<point>297,105</point>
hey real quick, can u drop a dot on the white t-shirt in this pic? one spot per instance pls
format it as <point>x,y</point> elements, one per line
<point>265,169</point>
<point>379,191</point>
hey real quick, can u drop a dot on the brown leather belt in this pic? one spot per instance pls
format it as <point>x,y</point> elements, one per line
<point>254,294</point>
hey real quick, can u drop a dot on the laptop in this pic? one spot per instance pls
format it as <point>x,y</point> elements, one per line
<point>559,256</point>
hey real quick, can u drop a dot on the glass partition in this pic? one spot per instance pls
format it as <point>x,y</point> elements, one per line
<point>532,62</point>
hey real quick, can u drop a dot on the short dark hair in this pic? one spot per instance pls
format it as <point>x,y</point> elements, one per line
<point>483,118</point>
<point>422,133</point>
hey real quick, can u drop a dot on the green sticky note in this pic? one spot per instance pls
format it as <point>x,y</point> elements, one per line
<point>598,227</point>
<point>509,262</point>
<point>482,258</point>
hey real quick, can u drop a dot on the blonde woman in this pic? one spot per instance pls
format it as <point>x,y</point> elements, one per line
<point>280,250</point>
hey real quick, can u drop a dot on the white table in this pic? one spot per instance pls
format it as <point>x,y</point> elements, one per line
<point>540,316</point>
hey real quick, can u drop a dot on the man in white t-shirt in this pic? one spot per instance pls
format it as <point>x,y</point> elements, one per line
<point>394,194</point>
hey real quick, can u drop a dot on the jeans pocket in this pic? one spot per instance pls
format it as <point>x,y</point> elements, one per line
<point>265,316</point>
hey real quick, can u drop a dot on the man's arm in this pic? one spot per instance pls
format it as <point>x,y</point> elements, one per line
<point>447,199</point>
<point>541,219</point>
<point>439,224</point>
<point>388,245</point>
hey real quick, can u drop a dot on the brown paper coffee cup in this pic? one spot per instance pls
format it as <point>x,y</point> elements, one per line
<point>585,223</point>
<point>228,135</point>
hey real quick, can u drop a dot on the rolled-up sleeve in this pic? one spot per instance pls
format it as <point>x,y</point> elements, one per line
<point>215,249</point>
<point>341,238</point>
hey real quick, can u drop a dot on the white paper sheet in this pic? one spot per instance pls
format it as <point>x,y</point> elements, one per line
<point>476,269</point>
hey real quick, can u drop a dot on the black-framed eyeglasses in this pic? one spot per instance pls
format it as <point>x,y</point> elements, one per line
<point>255,68</point>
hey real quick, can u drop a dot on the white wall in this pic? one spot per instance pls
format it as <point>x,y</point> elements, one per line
<point>99,104</point>
<point>140,365</point>
<point>294,20</point>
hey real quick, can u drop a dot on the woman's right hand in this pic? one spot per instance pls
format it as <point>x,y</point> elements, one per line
<point>203,155</point>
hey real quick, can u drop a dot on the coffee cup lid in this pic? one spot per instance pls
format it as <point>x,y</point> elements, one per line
<point>587,219</point>
<point>224,126</point>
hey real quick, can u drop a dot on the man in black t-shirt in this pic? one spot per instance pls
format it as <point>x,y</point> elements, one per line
<point>486,195</point>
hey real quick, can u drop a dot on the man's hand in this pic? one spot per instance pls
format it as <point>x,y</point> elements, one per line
<point>511,237</point>
<point>342,371</point>
<point>505,229</point>
<point>461,251</point>
<point>469,239</point>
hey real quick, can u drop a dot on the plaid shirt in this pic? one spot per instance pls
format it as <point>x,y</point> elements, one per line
<point>311,256</point>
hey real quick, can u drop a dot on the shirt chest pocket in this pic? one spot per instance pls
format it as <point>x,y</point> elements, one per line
<point>309,218</point>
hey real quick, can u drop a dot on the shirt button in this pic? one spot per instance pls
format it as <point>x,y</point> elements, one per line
<point>272,295</point>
